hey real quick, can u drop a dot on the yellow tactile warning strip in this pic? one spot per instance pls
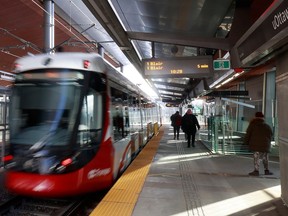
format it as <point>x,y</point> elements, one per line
<point>122,197</point>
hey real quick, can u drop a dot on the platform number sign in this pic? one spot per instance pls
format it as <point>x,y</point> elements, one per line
<point>221,64</point>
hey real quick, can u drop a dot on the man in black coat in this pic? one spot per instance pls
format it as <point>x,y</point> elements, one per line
<point>189,124</point>
<point>176,120</point>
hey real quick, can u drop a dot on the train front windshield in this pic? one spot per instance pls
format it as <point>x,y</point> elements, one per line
<point>49,107</point>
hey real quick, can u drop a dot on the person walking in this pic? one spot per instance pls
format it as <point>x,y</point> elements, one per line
<point>176,120</point>
<point>189,124</point>
<point>258,138</point>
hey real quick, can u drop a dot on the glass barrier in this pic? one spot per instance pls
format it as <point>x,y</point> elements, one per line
<point>220,135</point>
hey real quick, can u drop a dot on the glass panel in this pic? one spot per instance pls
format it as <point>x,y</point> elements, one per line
<point>120,113</point>
<point>43,113</point>
<point>134,113</point>
<point>91,119</point>
<point>221,135</point>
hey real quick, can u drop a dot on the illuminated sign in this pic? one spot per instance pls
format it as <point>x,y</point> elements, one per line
<point>179,67</point>
<point>221,64</point>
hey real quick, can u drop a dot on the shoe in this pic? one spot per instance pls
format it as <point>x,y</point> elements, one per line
<point>254,173</point>
<point>267,172</point>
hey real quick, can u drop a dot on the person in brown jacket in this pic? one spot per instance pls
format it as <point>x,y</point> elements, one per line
<point>258,138</point>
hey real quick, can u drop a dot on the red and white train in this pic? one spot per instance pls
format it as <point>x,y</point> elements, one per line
<point>75,125</point>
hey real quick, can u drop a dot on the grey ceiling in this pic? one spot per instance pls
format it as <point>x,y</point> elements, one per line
<point>192,18</point>
<point>133,30</point>
<point>155,26</point>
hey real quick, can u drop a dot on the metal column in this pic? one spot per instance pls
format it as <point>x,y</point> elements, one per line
<point>49,26</point>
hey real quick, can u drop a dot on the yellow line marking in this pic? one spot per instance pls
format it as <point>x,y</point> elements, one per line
<point>122,197</point>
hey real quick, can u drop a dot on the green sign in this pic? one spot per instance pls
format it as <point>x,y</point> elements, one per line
<point>221,64</point>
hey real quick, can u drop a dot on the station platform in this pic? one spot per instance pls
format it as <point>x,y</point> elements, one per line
<point>169,179</point>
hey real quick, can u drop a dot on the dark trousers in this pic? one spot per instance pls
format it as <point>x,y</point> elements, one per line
<point>176,131</point>
<point>189,136</point>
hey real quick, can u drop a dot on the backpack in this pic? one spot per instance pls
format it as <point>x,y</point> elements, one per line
<point>178,120</point>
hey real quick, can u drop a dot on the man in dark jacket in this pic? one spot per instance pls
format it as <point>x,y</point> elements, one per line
<point>176,120</point>
<point>258,138</point>
<point>189,124</point>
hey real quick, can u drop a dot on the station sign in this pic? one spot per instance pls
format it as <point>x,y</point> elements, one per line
<point>267,36</point>
<point>198,66</point>
<point>221,64</point>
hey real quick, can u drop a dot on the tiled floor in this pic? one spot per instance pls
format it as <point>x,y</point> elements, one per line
<point>191,181</point>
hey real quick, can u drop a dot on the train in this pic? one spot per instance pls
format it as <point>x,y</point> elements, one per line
<point>75,125</point>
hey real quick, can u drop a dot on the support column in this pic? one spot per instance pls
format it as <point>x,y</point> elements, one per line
<point>282,107</point>
<point>49,26</point>
<point>101,50</point>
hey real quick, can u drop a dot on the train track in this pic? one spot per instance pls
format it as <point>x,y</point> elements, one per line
<point>29,206</point>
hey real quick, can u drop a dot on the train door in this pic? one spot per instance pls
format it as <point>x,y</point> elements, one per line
<point>4,132</point>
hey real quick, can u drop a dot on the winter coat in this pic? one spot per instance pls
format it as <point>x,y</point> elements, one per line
<point>176,120</point>
<point>189,124</point>
<point>258,136</point>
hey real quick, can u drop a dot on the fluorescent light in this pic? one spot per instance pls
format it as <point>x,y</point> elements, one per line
<point>7,78</point>
<point>130,72</point>
<point>228,80</point>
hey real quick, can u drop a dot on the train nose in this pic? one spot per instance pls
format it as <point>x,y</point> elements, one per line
<point>36,185</point>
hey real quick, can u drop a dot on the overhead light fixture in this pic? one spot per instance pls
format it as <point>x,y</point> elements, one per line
<point>124,48</point>
<point>7,78</point>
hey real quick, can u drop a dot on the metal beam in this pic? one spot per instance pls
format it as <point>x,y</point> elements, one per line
<point>103,12</point>
<point>184,40</point>
<point>227,93</point>
<point>171,95</point>
<point>165,100</point>
<point>239,103</point>
<point>177,85</point>
<point>171,90</point>
<point>49,25</point>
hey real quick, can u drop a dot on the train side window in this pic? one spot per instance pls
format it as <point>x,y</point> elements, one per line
<point>118,121</point>
<point>120,114</point>
<point>90,127</point>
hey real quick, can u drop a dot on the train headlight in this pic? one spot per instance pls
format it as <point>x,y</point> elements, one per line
<point>8,161</point>
<point>7,158</point>
<point>66,162</point>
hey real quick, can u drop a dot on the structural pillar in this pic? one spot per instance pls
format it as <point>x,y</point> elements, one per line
<point>49,26</point>
<point>282,107</point>
<point>101,50</point>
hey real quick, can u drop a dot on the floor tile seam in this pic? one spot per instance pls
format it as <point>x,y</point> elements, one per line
<point>196,211</point>
<point>192,197</point>
<point>187,180</point>
<point>190,189</point>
